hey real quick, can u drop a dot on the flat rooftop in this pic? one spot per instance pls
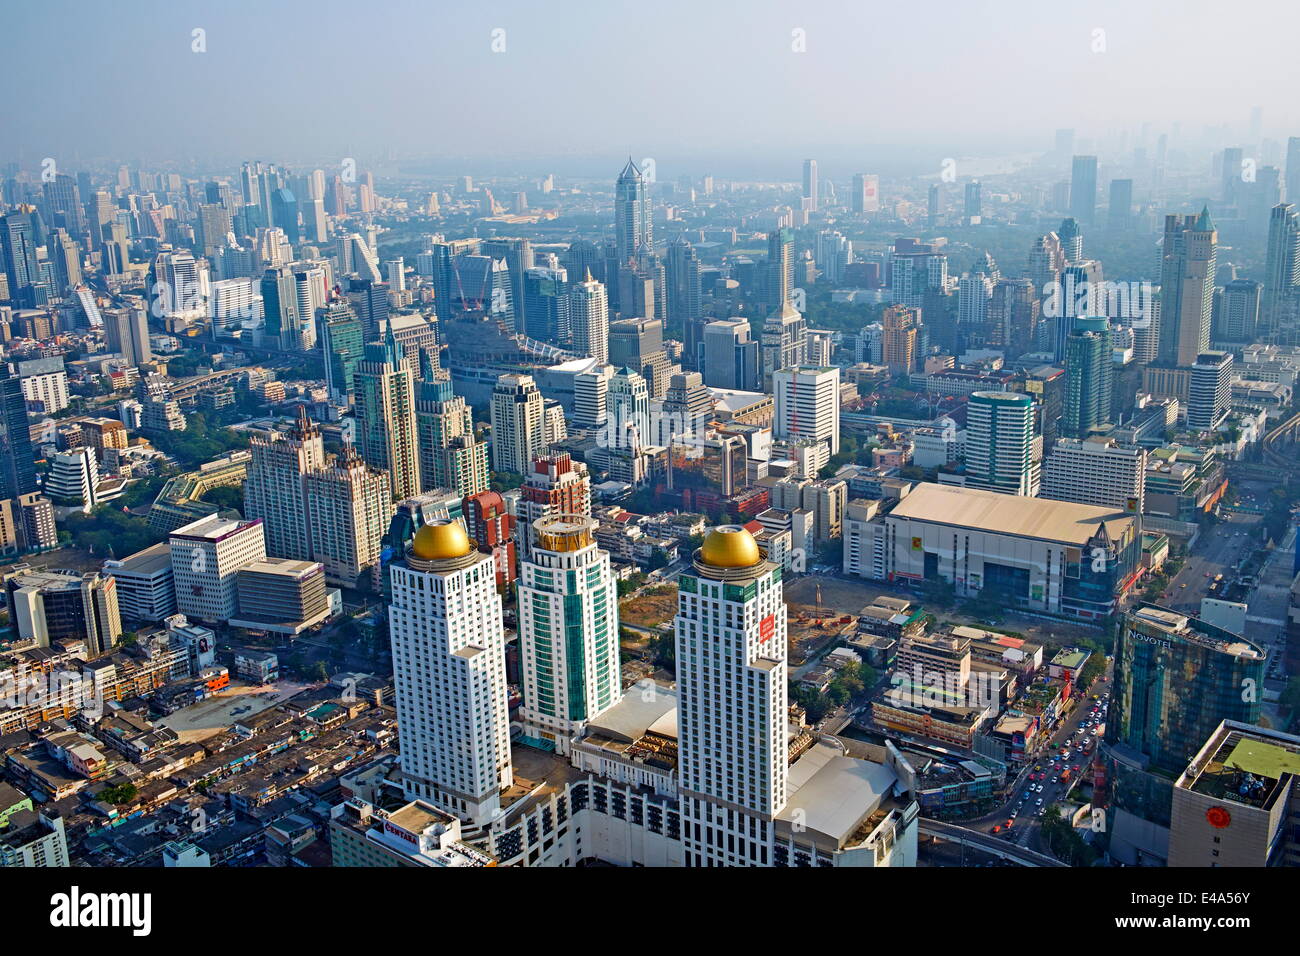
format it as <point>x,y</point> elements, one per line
<point>1064,522</point>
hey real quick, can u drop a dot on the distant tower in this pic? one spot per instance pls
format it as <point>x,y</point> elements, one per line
<point>810,184</point>
<point>633,227</point>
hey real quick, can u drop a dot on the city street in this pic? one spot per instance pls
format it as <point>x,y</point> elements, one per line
<point>1218,550</point>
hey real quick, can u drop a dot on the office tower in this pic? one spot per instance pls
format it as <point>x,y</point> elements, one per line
<point>1096,471</point>
<point>280,307</point>
<point>628,425</point>
<point>1239,311</point>
<point>1236,802</point>
<point>1079,294</point>
<point>73,478</point>
<point>639,344</point>
<point>972,203</point>
<point>553,485</point>
<point>682,274</point>
<point>1046,262</point>
<point>933,205</point>
<point>48,606</point>
<point>633,224</point>
<point>1071,237</point>
<point>833,253</point>
<point>451,457</point>
<point>65,255</point>
<point>1119,214</point>
<point>1209,390</point>
<point>355,257</point>
<point>1088,374</point>
<point>396,272</point>
<point>568,630</point>
<point>546,306</point>
<point>810,193</point>
<point>126,332</point>
<point>231,304</point>
<point>518,431</point>
<point>518,257</point>
<point>589,319</point>
<point>866,193</point>
<point>898,341</point>
<point>63,204</point>
<point>178,289</point>
<point>733,751</point>
<point>1013,315</point>
<point>18,258</point>
<point>591,396</point>
<point>916,269</point>
<point>1176,678</point>
<point>974,293</point>
<point>1231,171</point>
<point>17,460</point>
<point>1282,266</point>
<point>1083,189</point>
<point>275,489</point>
<point>384,385</point>
<point>448,644</point>
<point>730,356</point>
<point>342,342</point>
<point>1186,288</point>
<point>348,507</point>
<point>780,268</point>
<point>784,341</point>
<point>207,555</point>
<point>808,405</point>
<point>1002,452</point>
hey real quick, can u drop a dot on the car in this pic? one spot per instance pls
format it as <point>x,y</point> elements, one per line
<point>1182,586</point>
<point>996,829</point>
<point>1039,801</point>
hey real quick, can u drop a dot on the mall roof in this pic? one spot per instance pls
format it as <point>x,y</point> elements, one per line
<point>1041,518</point>
<point>834,793</point>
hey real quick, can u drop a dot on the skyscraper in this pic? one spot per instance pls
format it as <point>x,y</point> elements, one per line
<point>1239,312</point>
<point>568,630</point>
<point>589,319</point>
<point>808,405</point>
<point>518,430</point>
<point>349,505</point>
<point>546,306</point>
<point>1282,266</point>
<point>780,268</point>
<point>1083,189</point>
<point>1186,288</point>
<point>1002,452</point>
<point>554,485</point>
<point>730,356</point>
<point>682,274</point>
<point>451,456</point>
<point>1088,371</point>
<point>448,645</point>
<point>898,341</point>
<point>275,489</point>
<point>1071,237</point>
<point>866,193</point>
<point>1209,390</point>
<point>384,382</point>
<point>733,753</point>
<point>633,225</point>
<point>810,193</point>
<point>17,462</point>
<point>18,257</point>
<point>342,342</point>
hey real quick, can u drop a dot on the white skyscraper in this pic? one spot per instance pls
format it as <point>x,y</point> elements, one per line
<point>589,319</point>
<point>808,405</point>
<point>628,425</point>
<point>449,669</point>
<point>732,769</point>
<point>518,426</point>
<point>568,630</point>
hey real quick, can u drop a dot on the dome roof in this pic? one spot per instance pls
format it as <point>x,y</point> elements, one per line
<point>443,538</point>
<point>730,546</point>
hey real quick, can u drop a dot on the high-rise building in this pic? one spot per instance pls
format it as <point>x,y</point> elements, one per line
<point>448,644</point>
<point>275,488</point>
<point>492,528</point>
<point>808,405</point>
<point>1088,376</point>
<point>17,460</point>
<point>568,630</point>
<point>866,193</point>
<point>810,190</point>
<point>19,261</point>
<point>589,319</point>
<point>1282,265</point>
<point>733,754</point>
<point>47,606</point>
<point>639,345</point>
<point>1096,471</point>
<point>1071,237</point>
<point>1186,288</point>
<point>126,332</point>
<point>546,306</point>
<point>384,382</point>
<point>1002,452</point>
<point>730,356</point>
<point>348,507</point>
<point>682,275</point>
<point>1239,312</point>
<point>898,341</point>
<point>1209,390</point>
<point>451,456</point>
<point>1083,189</point>
<point>633,224</point>
<point>518,429</point>
<point>554,485</point>
<point>342,342</point>
<point>207,555</point>
<point>628,424</point>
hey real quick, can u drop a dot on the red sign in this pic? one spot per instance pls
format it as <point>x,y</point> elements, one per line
<point>766,628</point>
<point>1218,817</point>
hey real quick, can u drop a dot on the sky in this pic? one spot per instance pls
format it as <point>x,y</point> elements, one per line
<point>697,85</point>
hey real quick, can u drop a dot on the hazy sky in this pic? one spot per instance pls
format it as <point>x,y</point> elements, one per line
<point>692,82</point>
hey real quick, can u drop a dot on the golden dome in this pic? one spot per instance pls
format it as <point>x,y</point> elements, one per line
<point>730,546</point>
<point>443,538</point>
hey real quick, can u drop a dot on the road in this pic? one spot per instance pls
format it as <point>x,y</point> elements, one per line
<point>1218,550</point>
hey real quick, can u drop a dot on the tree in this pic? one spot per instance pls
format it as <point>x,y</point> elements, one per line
<point>322,672</point>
